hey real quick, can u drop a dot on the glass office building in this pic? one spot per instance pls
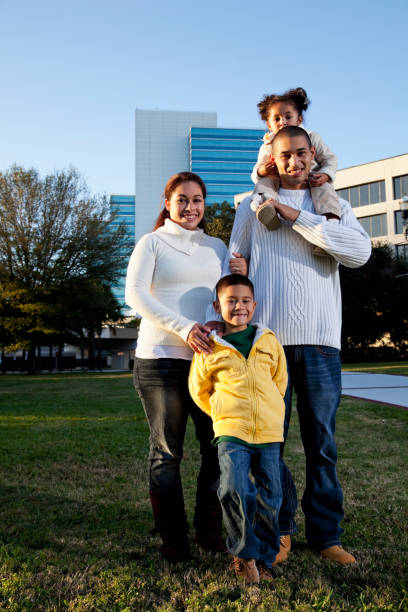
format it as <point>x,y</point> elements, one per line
<point>124,206</point>
<point>224,158</point>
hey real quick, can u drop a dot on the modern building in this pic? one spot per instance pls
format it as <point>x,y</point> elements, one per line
<point>224,159</point>
<point>167,142</point>
<point>161,149</point>
<point>375,190</point>
<point>124,206</point>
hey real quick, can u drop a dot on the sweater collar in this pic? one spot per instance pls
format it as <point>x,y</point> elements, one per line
<point>179,238</point>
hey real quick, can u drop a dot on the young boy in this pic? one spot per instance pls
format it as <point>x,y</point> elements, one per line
<point>241,385</point>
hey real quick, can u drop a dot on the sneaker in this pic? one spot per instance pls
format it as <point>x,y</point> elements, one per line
<point>268,216</point>
<point>266,573</point>
<point>337,554</point>
<point>285,546</point>
<point>246,570</point>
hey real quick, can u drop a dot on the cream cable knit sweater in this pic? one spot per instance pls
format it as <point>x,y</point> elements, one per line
<point>298,294</point>
<point>170,281</point>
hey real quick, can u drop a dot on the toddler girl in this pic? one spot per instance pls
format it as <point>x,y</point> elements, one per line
<point>279,111</point>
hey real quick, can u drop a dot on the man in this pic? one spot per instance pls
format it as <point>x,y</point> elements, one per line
<point>298,296</point>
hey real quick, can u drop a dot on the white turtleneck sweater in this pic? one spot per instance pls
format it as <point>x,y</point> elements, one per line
<point>297,293</point>
<point>170,281</point>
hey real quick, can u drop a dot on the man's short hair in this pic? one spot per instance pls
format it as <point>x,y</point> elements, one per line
<point>233,279</point>
<point>292,131</point>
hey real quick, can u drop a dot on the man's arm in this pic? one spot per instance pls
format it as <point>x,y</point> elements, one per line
<point>240,241</point>
<point>346,241</point>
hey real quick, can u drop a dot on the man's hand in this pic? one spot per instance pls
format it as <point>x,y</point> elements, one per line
<point>238,264</point>
<point>286,212</point>
<point>268,169</point>
<point>318,178</point>
<point>198,340</point>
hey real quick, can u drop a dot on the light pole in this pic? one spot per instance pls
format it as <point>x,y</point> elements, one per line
<point>404,213</point>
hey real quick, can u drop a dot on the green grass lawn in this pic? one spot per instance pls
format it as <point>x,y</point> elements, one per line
<point>399,368</point>
<point>75,519</point>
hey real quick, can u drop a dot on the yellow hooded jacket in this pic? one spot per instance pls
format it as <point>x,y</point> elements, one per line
<point>244,397</point>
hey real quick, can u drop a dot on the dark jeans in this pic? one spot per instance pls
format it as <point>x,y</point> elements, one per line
<point>251,509</point>
<point>163,390</point>
<point>315,375</point>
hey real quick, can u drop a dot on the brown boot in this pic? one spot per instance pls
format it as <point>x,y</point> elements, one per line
<point>266,573</point>
<point>246,570</point>
<point>171,522</point>
<point>268,216</point>
<point>285,546</point>
<point>337,554</point>
<point>208,522</point>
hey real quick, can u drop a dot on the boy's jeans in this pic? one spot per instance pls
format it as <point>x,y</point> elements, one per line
<point>315,375</point>
<point>250,511</point>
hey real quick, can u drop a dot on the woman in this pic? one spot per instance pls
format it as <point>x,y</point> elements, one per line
<point>170,280</point>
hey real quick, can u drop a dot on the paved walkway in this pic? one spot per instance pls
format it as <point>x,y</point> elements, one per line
<point>382,388</point>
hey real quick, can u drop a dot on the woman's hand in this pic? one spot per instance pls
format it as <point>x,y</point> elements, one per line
<point>219,327</point>
<point>198,340</point>
<point>238,264</point>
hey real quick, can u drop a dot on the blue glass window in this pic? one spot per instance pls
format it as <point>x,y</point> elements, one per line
<point>400,185</point>
<point>376,225</point>
<point>361,195</point>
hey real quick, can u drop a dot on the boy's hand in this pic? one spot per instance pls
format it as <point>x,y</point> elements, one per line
<point>198,340</point>
<point>268,169</point>
<point>318,178</point>
<point>238,264</point>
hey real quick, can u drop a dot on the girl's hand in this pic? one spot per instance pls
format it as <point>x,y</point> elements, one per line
<point>318,178</point>
<point>238,264</point>
<point>268,169</point>
<point>198,340</point>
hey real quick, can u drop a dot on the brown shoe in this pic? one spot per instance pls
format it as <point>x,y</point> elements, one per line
<point>268,216</point>
<point>266,573</point>
<point>246,570</point>
<point>337,554</point>
<point>285,546</point>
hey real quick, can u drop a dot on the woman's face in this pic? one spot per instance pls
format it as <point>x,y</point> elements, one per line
<point>186,205</point>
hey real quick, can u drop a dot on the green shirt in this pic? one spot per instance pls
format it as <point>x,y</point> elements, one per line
<point>242,340</point>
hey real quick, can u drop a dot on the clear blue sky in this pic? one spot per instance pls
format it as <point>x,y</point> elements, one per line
<point>73,72</point>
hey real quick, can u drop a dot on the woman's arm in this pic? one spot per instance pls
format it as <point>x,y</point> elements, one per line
<point>138,283</point>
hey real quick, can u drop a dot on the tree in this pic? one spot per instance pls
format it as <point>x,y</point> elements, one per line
<point>59,255</point>
<point>375,301</point>
<point>219,219</point>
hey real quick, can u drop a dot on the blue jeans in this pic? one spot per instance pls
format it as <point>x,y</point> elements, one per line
<point>163,390</point>
<point>250,511</point>
<point>315,375</point>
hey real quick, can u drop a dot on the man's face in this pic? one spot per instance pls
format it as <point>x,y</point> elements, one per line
<point>293,159</point>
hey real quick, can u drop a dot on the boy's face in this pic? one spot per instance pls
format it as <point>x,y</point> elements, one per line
<point>236,305</point>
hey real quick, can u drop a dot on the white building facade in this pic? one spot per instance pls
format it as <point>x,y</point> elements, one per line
<point>161,149</point>
<point>375,190</point>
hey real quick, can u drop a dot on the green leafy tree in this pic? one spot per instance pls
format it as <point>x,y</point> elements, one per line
<point>59,255</point>
<point>219,220</point>
<point>374,301</point>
